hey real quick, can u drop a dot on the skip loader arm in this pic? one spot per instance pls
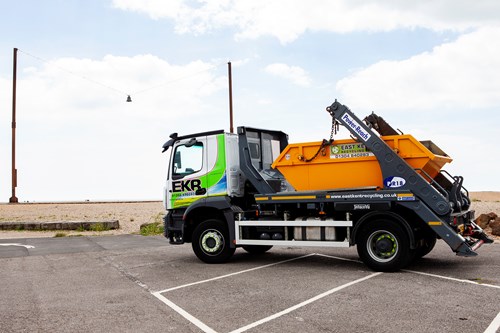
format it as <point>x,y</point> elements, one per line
<point>433,205</point>
<point>391,164</point>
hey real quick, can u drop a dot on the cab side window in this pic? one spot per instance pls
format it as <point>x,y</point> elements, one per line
<point>188,159</point>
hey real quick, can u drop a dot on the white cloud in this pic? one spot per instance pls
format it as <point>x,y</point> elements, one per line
<point>461,74</point>
<point>156,9</point>
<point>71,87</point>
<point>295,74</point>
<point>77,137</point>
<point>287,20</point>
<point>450,95</point>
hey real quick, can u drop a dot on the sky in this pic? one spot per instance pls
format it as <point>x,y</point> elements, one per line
<point>431,68</point>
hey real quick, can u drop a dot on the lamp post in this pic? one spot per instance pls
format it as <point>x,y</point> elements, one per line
<point>13,198</point>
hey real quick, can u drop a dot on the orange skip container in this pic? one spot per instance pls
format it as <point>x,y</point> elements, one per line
<point>348,163</point>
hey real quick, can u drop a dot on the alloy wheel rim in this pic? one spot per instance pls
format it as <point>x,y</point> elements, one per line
<point>382,246</point>
<point>212,242</point>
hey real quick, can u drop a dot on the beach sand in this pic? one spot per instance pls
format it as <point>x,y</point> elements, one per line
<point>132,214</point>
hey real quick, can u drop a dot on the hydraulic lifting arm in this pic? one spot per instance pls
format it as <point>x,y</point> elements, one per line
<point>391,164</point>
<point>437,204</point>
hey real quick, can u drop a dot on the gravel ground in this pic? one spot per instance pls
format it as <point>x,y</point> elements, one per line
<point>132,214</point>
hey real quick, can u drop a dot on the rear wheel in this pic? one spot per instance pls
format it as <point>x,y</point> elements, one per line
<point>211,242</point>
<point>425,246</point>
<point>383,245</point>
<point>257,249</point>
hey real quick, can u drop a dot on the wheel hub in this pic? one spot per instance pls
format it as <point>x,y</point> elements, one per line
<point>382,246</point>
<point>212,242</point>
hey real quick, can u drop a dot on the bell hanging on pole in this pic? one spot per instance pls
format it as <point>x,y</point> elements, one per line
<point>129,99</point>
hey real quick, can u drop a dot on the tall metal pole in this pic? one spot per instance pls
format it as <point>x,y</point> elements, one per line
<point>14,199</point>
<point>231,129</point>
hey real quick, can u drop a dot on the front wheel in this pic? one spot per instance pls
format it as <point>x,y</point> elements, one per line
<point>210,242</point>
<point>383,245</point>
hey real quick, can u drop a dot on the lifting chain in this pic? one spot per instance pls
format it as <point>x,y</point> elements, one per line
<point>335,128</point>
<point>326,143</point>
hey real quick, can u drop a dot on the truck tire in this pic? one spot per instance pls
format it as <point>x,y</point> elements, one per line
<point>425,246</point>
<point>257,249</point>
<point>210,242</point>
<point>384,245</point>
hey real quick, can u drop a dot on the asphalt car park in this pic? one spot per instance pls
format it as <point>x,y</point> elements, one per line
<point>136,284</point>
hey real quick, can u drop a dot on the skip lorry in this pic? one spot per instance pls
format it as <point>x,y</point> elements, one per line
<point>381,191</point>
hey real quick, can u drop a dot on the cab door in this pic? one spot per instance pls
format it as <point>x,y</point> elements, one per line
<point>187,175</point>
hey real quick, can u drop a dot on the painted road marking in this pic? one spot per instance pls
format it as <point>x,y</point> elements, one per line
<point>421,273</point>
<point>339,258</point>
<point>205,328</point>
<point>17,244</point>
<point>494,326</point>
<point>298,306</point>
<point>232,274</point>
<point>453,279</point>
<point>192,319</point>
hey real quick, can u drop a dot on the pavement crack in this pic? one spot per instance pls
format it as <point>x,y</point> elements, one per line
<point>126,274</point>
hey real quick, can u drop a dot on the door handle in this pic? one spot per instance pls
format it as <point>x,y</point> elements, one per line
<point>201,191</point>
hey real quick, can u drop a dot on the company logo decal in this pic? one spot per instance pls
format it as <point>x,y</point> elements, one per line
<point>351,150</point>
<point>394,182</point>
<point>188,185</point>
<point>361,133</point>
<point>406,197</point>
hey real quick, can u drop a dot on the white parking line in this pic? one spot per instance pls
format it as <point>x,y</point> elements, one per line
<point>421,273</point>
<point>192,319</point>
<point>309,301</point>
<point>17,244</point>
<point>232,274</point>
<point>494,326</point>
<point>453,279</point>
<point>339,258</point>
<point>205,328</point>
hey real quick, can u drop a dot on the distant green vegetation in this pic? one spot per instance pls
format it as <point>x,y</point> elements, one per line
<point>154,228</point>
<point>98,227</point>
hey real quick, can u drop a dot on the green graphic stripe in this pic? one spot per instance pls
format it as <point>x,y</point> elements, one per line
<point>214,181</point>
